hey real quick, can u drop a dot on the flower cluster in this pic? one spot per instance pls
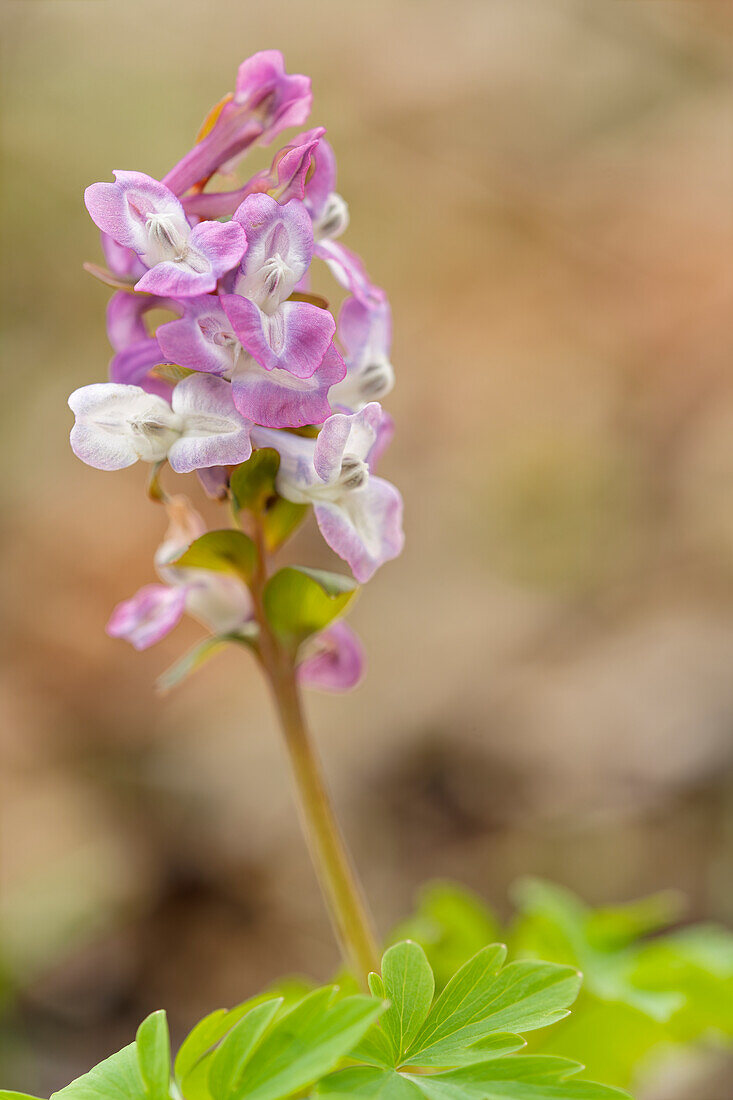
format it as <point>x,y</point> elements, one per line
<point>250,357</point>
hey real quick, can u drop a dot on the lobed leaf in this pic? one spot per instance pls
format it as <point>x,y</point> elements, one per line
<point>409,986</point>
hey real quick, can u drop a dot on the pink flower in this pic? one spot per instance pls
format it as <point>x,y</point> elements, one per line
<point>118,425</point>
<point>334,660</point>
<point>141,214</point>
<point>359,515</point>
<point>266,101</point>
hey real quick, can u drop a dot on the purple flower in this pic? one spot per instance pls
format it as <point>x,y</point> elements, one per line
<point>117,425</point>
<point>136,351</point>
<point>284,180</point>
<point>334,660</point>
<point>328,210</point>
<point>360,515</point>
<point>366,333</point>
<point>204,340</point>
<point>291,336</point>
<point>220,602</point>
<point>141,214</point>
<point>266,101</point>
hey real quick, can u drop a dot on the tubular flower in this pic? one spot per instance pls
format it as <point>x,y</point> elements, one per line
<point>118,425</point>
<point>141,214</point>
<point>359,515</point>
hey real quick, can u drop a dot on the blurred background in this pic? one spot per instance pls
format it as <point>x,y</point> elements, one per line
<point>544,189</point>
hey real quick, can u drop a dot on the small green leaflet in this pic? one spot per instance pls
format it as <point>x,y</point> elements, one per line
<point>300,602</point>
<point>462,1046</point>
<point>225,551</point>
<point>154,1055</point>
<point>199,654</point>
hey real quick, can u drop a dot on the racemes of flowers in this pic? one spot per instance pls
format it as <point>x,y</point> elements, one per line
<point>253,385</point>
<point>251,376</point>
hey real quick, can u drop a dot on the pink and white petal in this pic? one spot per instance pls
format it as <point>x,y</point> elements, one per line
<point>120,209</point>
<point>148,615</point>
<point>336,661</point>
<point>271,228</point>
<point>102,435</point>
<point>354,434</point>
<point>277,399</point>
<point>294,338</point>
<point>202,339</point>
<point>132,366</point>
<point>214,481</point>
<point>219,602</point>
<point>365,527</point>
<point>125,325</point>
<point>176,279</point>
<point>214,433</point>
<point>222,243</point>
<point>348,270</point>
<point>121,261</point>
<point>385,432</point>
<point>280,99</point>
<point>322,181</point>
<point>365,328</point>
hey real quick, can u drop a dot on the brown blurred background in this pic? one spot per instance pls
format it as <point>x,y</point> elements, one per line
<point>544,188</point>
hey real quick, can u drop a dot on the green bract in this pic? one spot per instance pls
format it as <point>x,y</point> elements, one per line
<point>300,602</point>
<point>252,488</point>
<point>224,551</point>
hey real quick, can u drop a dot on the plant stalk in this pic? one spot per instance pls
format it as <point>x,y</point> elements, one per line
<point>334,869</point>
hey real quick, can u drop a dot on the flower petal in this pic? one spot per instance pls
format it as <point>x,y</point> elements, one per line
<point>213,249</point>
<point>117,425</point>
<point>202,339</point>
<point>148,615</point>
<point>295,338</point>
<point>277,399</point>
<point>364,527</point>
<point>322,181</point>
<point>336,661</point>
<point>285,179</point>
<point>354,435</point>
<point>123,208</point>
<point>279,249</point>
<point>348,270</point>
<point>266,100</point>
<point>214,433</point>
<point>132,366</point>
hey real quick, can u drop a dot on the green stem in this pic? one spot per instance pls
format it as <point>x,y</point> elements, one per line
<point>333,866</point>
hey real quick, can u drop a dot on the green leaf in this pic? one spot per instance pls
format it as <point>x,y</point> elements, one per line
<point>280,519</point>
<point>229,1062</point>
<point>377,1084</point>
<point>409,986</point>
<point>252,484</point>
<point>517,1078</point>
<point>5,1094</point>
<point>116,1078</point>
<point>224,551</point>
<point>154,1055</point>
<point>481,998</point>
<point>307,1043</point>
<point>197,656</point>
<point>300,602</point>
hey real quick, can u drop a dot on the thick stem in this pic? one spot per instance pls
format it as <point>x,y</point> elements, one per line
<point>335,872</point>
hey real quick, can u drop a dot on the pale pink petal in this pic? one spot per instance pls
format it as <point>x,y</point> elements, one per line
<point>364,527</point>
<point>202,339</point>
<point>214,433</point>
<point>148,616</point>
<point>279,249</point>
<point>277,399</point>
<point>354,435</point>
<point>294,338</point>
<point>335,661</point>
